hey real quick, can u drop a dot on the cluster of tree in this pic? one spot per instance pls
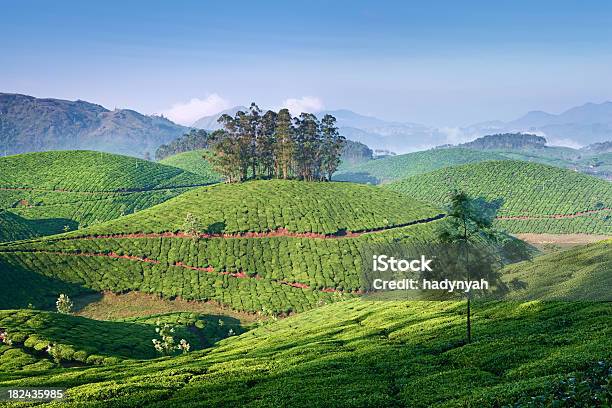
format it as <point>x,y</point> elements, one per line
<point>356,152</point>
<point>506,141</point>
<point>255,144</point>
<point>195,139</point>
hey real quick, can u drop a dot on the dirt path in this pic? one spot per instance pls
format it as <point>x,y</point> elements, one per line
<point>561,240</point>
<point>556,216</point>
<point>210,269</point>
<point>281,232</point>
<point>119,191</point>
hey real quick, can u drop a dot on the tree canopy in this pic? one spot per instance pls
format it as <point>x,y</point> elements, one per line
<point>255,144</point>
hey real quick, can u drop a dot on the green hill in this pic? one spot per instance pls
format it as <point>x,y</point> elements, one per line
<point>79,340</point>
<point>536,198</point>
<point>581,273</point>
<point>372,354</point>
<point>194,161</point>
<point>274,246</point>
<point>398,167</point>
<point>263,206</point>
<point>65,190</point>
<point>13,227</point>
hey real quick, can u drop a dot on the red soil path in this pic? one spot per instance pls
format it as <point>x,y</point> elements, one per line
<point>209,269</point>
<point>118,191</point>
<point>555,216</point>
<point>281,232</point>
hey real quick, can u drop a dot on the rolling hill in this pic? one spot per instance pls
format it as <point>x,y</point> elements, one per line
<point>274,246</point>
<point>51,192</point>
<point>581,273</point>
<point>372,353</point>
<point>81,341</point>
<point>536,197</point>
<point>29,124</point>
<point>195,162</point>
<point>397,167</point>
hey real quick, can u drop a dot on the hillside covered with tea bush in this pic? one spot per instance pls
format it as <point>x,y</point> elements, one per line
<point>372,354</point>
<point>52,192</point>
<point>278,246</point>
<point>535,198</point>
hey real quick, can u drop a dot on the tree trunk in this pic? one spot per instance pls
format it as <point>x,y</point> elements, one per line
<point>469,322</point>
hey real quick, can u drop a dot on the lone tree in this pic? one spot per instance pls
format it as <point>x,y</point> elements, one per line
<point>469,232</point>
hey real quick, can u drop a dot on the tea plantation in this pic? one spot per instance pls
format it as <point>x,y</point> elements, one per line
<point>195,161</point>
<point>405,165</point>
<point>366,354</point>
<point>536,198</point>
<point>82,341</point>
<point>278,271</point>
<point>60,191</point>
<point>269,205</point>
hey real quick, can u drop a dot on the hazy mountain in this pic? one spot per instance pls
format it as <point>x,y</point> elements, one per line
<point>602,147</point>
<point>29,124</point>
<point>374,132</point>
<point>505,141</point>
<point>578,126</point>
<point>210,122</point>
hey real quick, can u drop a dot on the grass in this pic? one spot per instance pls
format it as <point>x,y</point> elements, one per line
<point>195,161</point>
<point>534,191</point>
<point>358,353</point>
<point>579,273</point>
<point>113,306</point>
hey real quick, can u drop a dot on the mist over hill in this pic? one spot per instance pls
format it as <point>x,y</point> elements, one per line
<point>575,127</point>
<point>29,124</point>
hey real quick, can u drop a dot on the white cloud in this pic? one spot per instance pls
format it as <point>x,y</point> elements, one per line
<point>455,135</point>
<point>310,104</point>
<point>186,113</point>
<point>553,141</point>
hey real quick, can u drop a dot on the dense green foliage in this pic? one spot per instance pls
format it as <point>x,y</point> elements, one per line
<point>196,162</point>
<point>194,140</point>
<point>355,152</point>
<point>276,274</point>
<point>261,206</point>
<point>393,168</point>
<point>254,144</point>
<point>13,227</point>
<point>505,141</point>
<point>541,194</point>
<point>583,389</point>
<point>53,192</point>
<point>371,353</point>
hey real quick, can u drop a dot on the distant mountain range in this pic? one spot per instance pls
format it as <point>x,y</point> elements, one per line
<point>374,132</point>
<point>29,124</point>
<point>576,127</point>
<point>210,122</point>
<point>586,124</point>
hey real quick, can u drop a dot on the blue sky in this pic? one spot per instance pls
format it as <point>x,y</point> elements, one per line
<point>444,63</point>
